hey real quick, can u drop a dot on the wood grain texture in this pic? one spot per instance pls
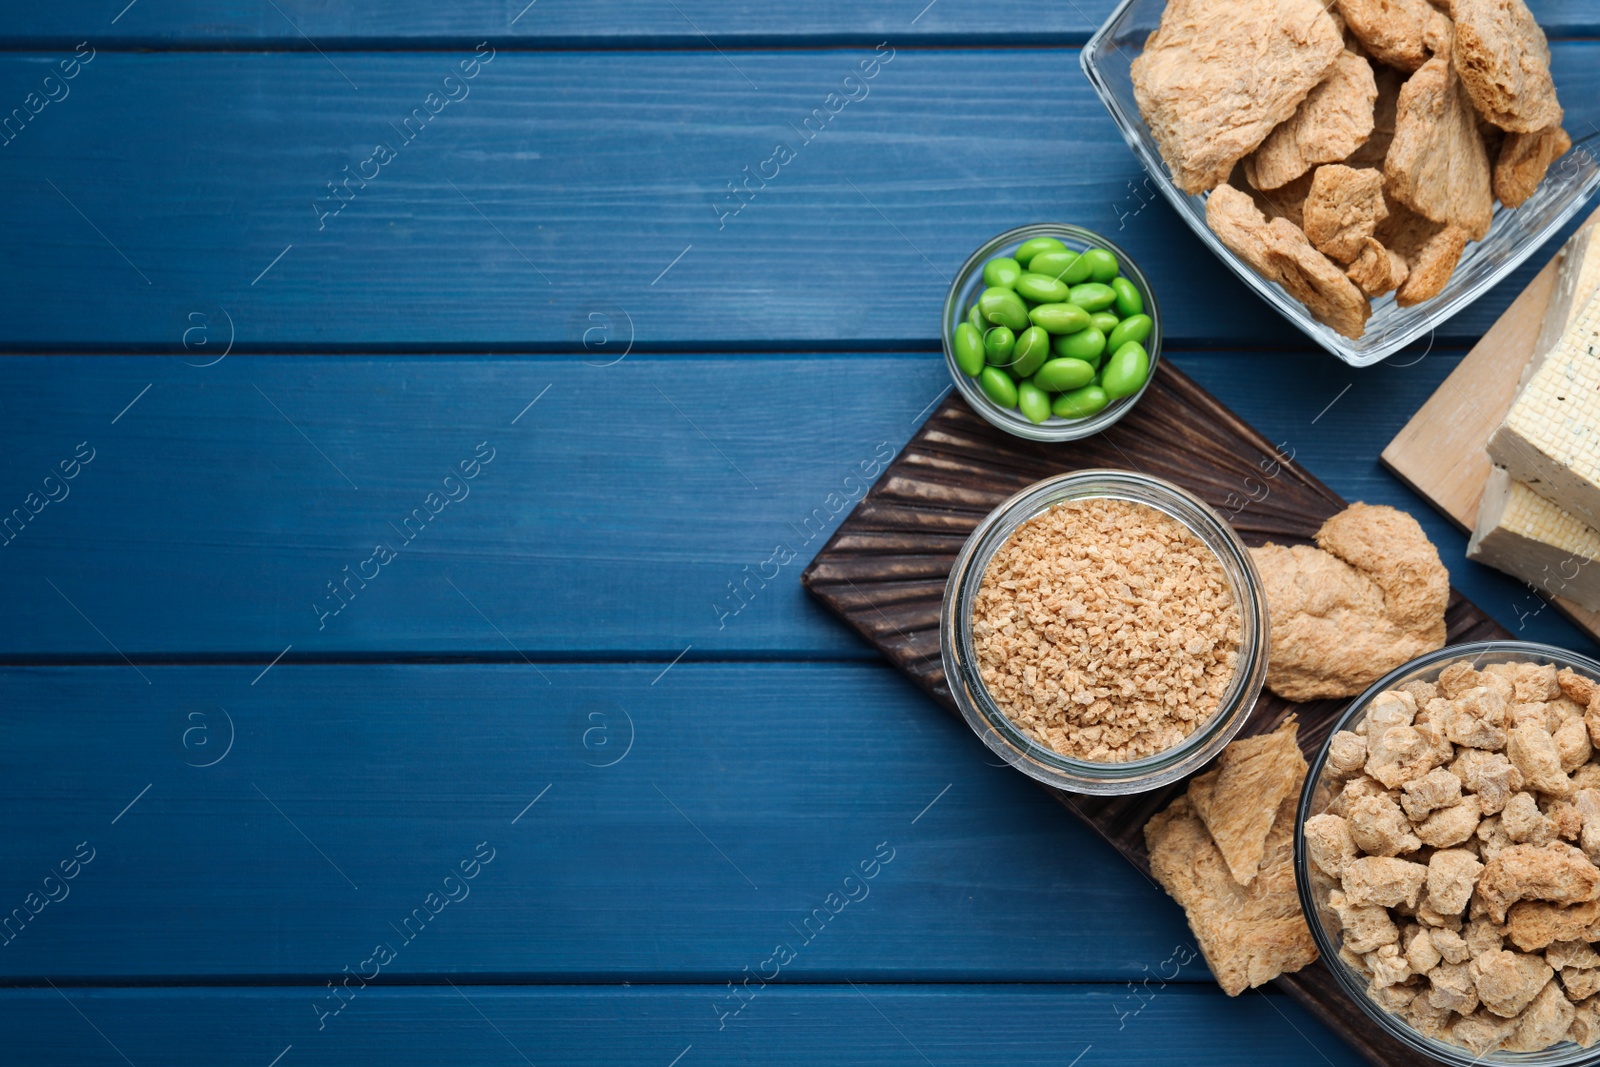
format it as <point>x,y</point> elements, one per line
<point>573,23</point>
<point>563,1026</point>
<point>610,524</point>
<point>554,156</point>
<point>884,571</point>
<point>788,774</point>
<point>1442,455</point>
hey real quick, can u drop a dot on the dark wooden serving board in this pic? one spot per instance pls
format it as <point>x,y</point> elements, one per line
<point>884,572</point>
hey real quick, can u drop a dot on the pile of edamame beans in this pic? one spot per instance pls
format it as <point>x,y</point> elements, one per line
<point>1055,332</point>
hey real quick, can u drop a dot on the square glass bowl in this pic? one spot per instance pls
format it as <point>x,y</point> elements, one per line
<point>1515,234</point>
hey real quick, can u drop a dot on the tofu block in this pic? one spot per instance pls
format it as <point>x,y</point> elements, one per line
<point>1550,439</point>
<point>1519,531</point>
<point>1527,537</point>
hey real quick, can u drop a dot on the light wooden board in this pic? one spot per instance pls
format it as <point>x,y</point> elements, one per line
<point>1441,452</point>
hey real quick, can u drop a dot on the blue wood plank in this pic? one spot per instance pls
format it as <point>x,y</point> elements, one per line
<point>610,523</point>
<point>564,186</point>
<point>564,23</point>
<point>697,24</point>
<point>807,1026</point>
<point>611,519</point>
<point>685,823</point>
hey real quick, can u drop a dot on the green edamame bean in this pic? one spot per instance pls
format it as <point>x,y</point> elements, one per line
<point>998,386</point>
<point>1126,371</point>
<point>1056,265</point>
<point>1060,318</point>
<point>1003,272</point>
<point>1032,402</point>
<point>967,347</point>
<point>1129,302</point>
<point>997,345</point>
<point>1031,248</point>
<point>1087,345</point>
<point>1102,265</point>
<point>1104,321</point>
<point>1132,328</point>
<point>1004,308</point>
<point>975,317</point>
<point>1080,403</point>
<point>1090,296</point>
<point>1063,375</point>
<point>1042,288</point>
<point>1031,350</point>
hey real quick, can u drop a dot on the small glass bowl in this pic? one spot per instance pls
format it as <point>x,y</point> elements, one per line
<point>1314,886</point>
<point>969,283</point>
<point>1513,237</point>
<point>1043,763</point>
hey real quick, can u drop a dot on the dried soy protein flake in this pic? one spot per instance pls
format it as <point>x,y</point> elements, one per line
<point>1106,630</point>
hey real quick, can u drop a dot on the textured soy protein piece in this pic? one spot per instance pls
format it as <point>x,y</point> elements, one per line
<point>1332,122</point>
<point>1251,933</point>
<point>1369,599</point>
<point>1217,76</point>
<point>1504,63</point>
<point>1437,164</point>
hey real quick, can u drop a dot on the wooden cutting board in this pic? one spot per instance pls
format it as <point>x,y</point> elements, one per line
<point>1441,452</point>
<point>884,571</point>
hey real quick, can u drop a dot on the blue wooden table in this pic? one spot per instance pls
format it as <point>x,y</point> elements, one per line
<point>388,704</point>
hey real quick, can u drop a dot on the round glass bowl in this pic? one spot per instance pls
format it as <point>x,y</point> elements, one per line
<point>1044,763</point>
<point>969,283</point>
<point>1314,886</point>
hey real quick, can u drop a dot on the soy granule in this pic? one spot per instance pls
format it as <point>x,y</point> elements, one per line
<point>1106,630</point>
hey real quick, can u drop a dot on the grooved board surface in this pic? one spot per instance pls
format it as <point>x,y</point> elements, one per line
<point>884,572</point>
